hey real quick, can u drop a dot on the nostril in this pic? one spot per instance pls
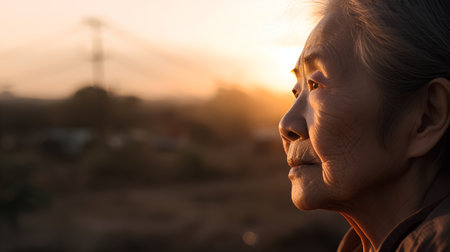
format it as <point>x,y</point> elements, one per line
<point>293,125</point>
<point>292,135</point>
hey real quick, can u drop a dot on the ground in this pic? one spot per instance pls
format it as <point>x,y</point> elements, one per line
<point>232,214</point>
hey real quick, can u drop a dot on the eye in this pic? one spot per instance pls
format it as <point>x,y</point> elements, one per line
<point>313,85</point>
<point>295,92</point>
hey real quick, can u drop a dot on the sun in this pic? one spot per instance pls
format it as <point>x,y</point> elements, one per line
<point>284,60</point>
<point>287,57</point>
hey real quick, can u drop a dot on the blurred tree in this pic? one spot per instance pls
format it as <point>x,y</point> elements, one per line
<point>127,112</point>
<point>229,115</point>
<point>88,107</point>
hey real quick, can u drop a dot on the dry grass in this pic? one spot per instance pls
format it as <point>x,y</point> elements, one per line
<point>206,216</point>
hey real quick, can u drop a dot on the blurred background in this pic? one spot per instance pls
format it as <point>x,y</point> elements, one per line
<point>150,126</point>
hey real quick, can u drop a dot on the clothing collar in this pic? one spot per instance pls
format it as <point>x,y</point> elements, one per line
<point>437,193</point>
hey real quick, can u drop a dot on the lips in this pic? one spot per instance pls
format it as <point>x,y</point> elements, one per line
<point>298,165</point>
<point>301,153</point>
<point>297,162</point>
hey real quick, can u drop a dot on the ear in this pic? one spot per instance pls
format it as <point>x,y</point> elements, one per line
<point>433,119</point>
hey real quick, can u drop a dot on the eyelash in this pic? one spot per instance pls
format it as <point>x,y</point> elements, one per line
<point>312,86</point>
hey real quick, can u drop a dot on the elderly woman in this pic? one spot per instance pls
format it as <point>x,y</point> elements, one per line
<point>367,135</point>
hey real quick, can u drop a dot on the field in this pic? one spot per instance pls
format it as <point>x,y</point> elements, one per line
<point>253,214</point>
<point>97,172</point>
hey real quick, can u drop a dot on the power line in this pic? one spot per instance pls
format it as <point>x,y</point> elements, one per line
<point>156,51</point>
<point>97,57</point>
<point>136,40</point>
<point>47,72</point>
<point>41,42</point>
<point>134,66</point>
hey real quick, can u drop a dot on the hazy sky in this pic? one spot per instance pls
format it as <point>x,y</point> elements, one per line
<point>153,48</point>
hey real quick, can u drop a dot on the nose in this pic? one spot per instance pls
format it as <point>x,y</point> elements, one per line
<point>293,125</point>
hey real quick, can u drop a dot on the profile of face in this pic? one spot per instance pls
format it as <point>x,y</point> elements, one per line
<point>330,134</point>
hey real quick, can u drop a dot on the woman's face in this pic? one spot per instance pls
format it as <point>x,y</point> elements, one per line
<point>330,134</point>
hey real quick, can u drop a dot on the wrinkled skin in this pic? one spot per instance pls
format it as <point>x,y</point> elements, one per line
<point>332,126</point>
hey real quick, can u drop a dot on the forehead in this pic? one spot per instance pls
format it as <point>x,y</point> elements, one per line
<point>329,43</point>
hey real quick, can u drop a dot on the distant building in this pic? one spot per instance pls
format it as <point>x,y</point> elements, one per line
<point>69,142</point>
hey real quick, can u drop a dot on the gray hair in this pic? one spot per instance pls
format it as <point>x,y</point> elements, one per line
<point>403,44</point>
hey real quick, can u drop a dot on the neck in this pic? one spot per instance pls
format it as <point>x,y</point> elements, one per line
<point>376,212</point>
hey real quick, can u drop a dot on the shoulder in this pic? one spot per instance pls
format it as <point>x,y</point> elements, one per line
<point>433,234</point>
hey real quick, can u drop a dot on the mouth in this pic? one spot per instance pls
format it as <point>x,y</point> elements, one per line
<point>297,162</point>
<point>301,155</point>
<point>297,166</point>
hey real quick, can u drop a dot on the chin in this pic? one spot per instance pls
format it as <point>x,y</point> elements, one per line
<point>308,190</point>
<point>307,200</point>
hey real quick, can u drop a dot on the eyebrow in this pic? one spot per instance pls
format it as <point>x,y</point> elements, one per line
<point>309,56</point>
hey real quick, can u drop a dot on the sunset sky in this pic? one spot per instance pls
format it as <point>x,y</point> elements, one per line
<point>153,48</point>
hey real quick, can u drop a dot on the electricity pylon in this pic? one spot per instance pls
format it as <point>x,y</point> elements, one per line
<point>97,57</point>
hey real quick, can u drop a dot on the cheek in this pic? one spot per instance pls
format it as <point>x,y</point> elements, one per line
<point>337,124</point>
<point>341,128</point>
